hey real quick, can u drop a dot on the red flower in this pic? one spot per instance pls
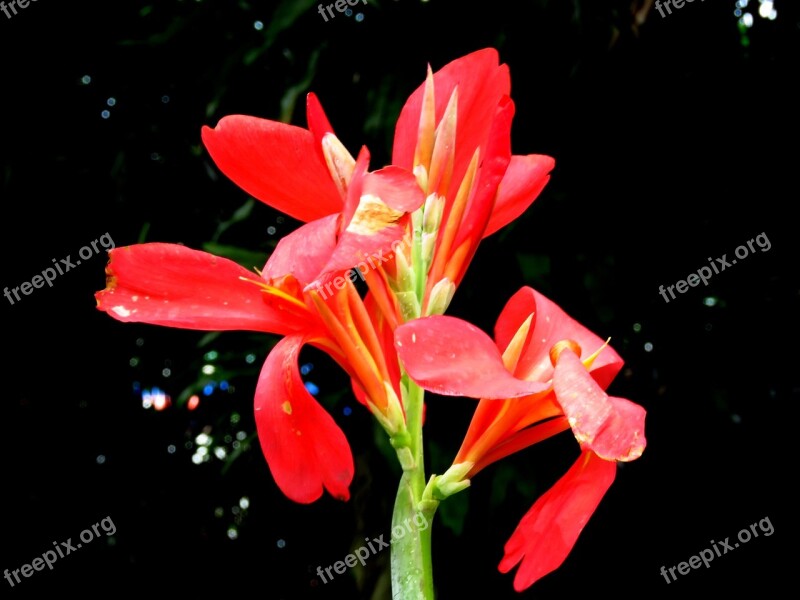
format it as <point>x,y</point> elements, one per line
<point>310,176</point>
<point>451,144</point>
<point>168,284</point>
<point>454,133</point>
<point>533,385</point>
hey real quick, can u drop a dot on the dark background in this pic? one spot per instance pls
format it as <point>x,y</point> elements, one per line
<point>675,140</point>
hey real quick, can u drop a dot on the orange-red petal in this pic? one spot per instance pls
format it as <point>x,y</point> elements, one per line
<point>524,179</point>
<point>277,163</point>
<point>305,449</point>
<point>549,530</point>
<point>481,82</point>
<point>304,252</point>
<point>449,356</point>
<point>175,286</point>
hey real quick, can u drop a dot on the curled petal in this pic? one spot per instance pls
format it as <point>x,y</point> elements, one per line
<point>449,356</point>
<point>550,325</point>
<point>375,216</point>
<point>175,286</point>
<point>549,530</point>
<point>305,449</point>
<point>612,427</point>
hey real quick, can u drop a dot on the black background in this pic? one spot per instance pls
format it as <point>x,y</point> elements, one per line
<point>675,140</point>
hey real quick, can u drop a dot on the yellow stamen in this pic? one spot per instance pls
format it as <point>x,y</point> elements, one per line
<point>276,292</point>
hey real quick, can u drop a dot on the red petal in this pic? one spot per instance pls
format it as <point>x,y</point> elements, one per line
<point>277,163</point>
<point>481,82</point>
<point>611,427</point>
<point>304,447</point>
<point>495,157</point>
<point>551,325</point>
<point>175,286</point>
<point>397,187</point>
<point>318,123</point>
<point>449,356</point>
<point>549,530</point>
<point>376,216</point>
<point>304,252</point>
<point>522,183</point>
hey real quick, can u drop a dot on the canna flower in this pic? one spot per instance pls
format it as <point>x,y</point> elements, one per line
<point>533,385</point>
<point>309,175</point>
<point>175,286</point>
<point>453,182</point>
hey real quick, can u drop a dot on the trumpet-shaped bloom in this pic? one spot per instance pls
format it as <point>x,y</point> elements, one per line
<point>451,151</point>
<point>171,285</point>
<point>309,175</point>
<point>533,385</point>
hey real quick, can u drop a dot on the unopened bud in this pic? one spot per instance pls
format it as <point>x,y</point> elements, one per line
<point>441,295</point>
<point>340,162</point>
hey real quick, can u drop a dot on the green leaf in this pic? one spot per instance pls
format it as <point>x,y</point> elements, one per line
<point>247,258</point>
<point>241,214</point>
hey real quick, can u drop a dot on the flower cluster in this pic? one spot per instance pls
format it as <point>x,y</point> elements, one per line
<point>452,182</point>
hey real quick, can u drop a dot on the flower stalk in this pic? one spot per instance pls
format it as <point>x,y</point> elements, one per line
<point>411,564</point>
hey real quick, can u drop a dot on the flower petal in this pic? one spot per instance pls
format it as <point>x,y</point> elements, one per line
<point>376,216</point>
<point>481,82</point>
<point>318,123</point>
<point>495,157</point>
<point>175,286</point>
<point>304,252</point>
<point>277,163</point>
<point>549,530</point>
<point>611,427</point>
<point>304,447</point>
<point>524,179</point>
<point>550,325</point>
<point>449,356</point>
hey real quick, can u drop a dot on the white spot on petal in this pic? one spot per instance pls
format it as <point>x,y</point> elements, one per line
<point>121,311</point>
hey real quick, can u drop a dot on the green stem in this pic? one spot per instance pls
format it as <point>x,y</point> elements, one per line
<point>412,569</point>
